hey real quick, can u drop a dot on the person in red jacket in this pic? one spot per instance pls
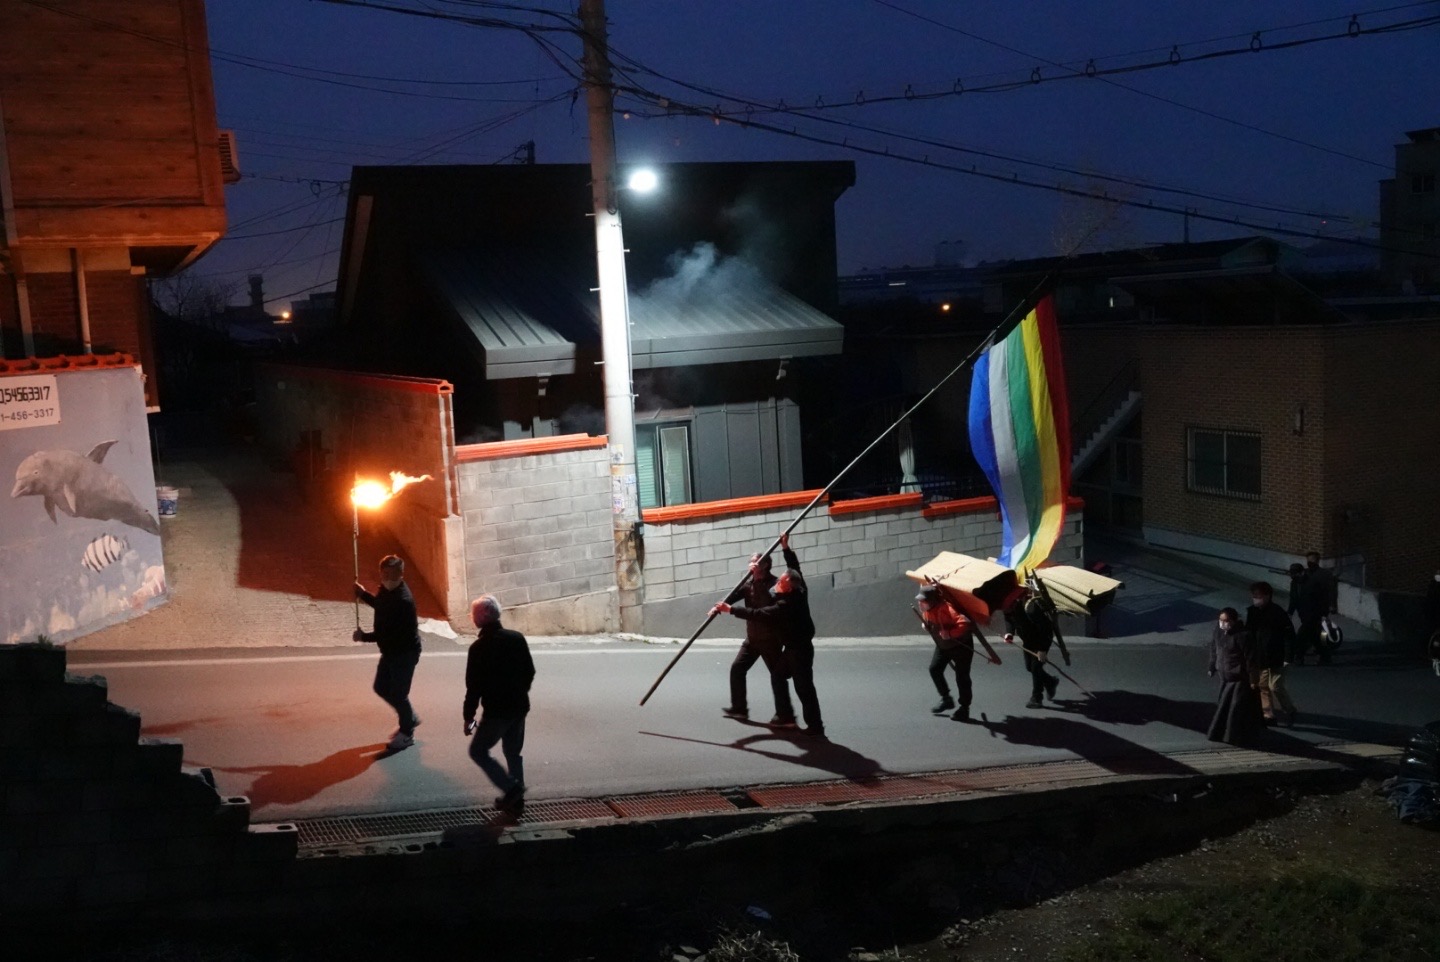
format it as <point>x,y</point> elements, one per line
<point>954,638</point>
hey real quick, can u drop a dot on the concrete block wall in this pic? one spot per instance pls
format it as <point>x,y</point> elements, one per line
<point>95,818</point>
<point>537,533</point>
<point>840,545</point>
<point>371,425</point>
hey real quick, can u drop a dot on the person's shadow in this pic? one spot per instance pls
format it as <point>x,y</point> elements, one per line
<point>289,784</point>
<point>817,753</point>
<point>1111,752</point>
<point>1121,707</point>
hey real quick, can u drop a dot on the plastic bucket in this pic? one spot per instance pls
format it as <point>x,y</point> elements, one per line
<point>168,500</point>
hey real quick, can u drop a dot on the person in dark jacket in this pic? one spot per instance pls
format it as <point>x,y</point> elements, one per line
<point>1271,637</point>
<point>1313,599</point>
<point>761,642</point>
<point>397,634</point>
<point>1237,718</point>
<point>498,674</point>
<point>1027,616</point>
<point>789,615</point>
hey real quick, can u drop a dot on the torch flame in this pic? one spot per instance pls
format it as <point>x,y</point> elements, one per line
<point>372,494</point>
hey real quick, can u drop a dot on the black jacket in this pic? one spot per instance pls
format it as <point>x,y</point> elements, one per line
<point>397,626</point>
<point>1271,634</point>
<point>787,615</point>
<point>1229,653</point>
<point>1314,595</point>
<point>756,594</point>
<point>498,674</point>
<point>1032,623</point>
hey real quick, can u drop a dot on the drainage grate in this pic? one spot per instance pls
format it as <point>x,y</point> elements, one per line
<point>562,810</point>
<point>669,803</point>
<point>326,832</point>
<point>840,792</point>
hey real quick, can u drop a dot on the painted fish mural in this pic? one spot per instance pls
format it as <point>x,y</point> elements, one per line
<point>103,552</point>
<point>82,487</point>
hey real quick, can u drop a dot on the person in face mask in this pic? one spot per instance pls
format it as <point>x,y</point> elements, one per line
<point>1271,637</point>
<point>1238,717</point>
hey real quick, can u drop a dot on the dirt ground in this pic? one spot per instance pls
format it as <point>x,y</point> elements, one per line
<point>1350,844</point>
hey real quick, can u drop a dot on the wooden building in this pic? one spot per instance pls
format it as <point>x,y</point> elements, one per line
<point>110,169</point>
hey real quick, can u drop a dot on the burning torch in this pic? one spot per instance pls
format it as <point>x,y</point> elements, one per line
<point>372,494</point>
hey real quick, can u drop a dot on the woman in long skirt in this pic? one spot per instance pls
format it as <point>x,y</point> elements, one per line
<point>1238,720</point>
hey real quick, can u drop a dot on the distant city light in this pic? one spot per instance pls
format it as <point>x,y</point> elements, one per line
<point>643,181</point>
<point>945,307</point>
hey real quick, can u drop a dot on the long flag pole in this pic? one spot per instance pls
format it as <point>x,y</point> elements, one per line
<point>969,359</point>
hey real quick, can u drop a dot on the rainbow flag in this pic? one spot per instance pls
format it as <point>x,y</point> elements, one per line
<point>1020,434</point>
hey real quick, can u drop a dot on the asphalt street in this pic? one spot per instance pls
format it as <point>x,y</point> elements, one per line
<point>301,733</point>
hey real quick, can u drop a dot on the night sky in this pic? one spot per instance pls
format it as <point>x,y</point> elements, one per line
<point>1299,136</point>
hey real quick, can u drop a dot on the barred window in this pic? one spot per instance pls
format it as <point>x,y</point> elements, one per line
<point>1223,462</point>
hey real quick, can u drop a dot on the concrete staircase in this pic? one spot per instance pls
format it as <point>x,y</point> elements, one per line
<point>1089,449</point>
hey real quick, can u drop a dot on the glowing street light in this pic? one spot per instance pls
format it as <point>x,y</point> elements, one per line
<point>643,181</point>
<point>371,495</point>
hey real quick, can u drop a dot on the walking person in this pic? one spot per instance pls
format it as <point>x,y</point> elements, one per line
<point>954,636</point>
<point>1238,718</point>
<point>397,634</point>
<point>1313,599</point>
<point>789,615</point>
<point>498,674</point>
<point>1025,615</point>
<point>762,642</point>
<point>1271,637</point>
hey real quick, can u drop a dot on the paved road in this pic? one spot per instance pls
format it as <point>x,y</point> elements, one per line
<point>300,732</point>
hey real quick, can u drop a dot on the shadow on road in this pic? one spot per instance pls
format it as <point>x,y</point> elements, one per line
<point>1121,707</point>
<point>1109,751</point>
<point>817,753</point>
<point>289,784</point>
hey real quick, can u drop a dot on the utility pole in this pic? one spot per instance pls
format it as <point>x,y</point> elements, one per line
<point>614,316</point>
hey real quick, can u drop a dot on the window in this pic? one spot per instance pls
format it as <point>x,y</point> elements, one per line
<point>662,464</point>
<point>1422,183</point>
<point>1224,462</point>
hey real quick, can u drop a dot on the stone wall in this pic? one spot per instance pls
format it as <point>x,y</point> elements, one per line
<point>854,554</point>
<point>538,533</point>
<point>93,817</point>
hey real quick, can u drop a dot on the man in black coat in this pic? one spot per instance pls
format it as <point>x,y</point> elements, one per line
<point>762,641</point>
<point>498,674</point>
<point>789,615</point>
<point>1313,599</point>
<point>1271,642</point>
<point>1029,617</point>
<point>397,633</point>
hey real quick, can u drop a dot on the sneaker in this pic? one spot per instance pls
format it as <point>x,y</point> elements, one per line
<point>730,712</point>
<point>946,704</point>
<point>783,721</point>
<point>513,800</point>
<point>399,741</point>
<point>1051,684</point>
<point>1033,703</point>
<point>962,713</point>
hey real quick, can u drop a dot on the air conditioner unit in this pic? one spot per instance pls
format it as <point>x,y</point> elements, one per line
<point>229,159</point>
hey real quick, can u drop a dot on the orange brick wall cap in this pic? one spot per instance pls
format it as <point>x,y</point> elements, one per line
<point>714,509</point>
<point>392,382</point>
<point>884,502</point>
<point>522,446</point>
<point>976,505</point>
<point>62,362</point>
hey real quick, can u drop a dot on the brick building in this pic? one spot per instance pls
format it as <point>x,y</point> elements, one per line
<point>1225,408</point>
<point>110,170</point>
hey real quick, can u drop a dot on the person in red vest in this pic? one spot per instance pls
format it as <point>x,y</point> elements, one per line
<point>954,636</point>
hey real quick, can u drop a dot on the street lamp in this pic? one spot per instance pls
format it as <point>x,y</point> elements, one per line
<point>643,181</point>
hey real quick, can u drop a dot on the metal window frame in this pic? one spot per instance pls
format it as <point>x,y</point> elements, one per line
<point>1225,490</point>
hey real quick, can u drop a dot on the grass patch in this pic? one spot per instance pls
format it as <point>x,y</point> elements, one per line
<point>1322,918</point>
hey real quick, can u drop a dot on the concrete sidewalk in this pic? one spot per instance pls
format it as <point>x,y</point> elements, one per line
<point>252,564</point>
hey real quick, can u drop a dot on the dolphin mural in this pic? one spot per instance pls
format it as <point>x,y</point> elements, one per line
<point>81,487</point>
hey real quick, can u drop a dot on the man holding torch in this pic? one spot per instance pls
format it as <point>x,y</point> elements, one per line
<point>397,633</point>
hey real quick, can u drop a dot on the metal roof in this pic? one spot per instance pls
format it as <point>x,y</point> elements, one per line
<point>528,312</point>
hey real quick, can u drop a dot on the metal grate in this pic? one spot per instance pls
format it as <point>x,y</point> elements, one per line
<point>561,810</point>
<point>353,830</point>
<point>669,803</point>
<point>846,790</point>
